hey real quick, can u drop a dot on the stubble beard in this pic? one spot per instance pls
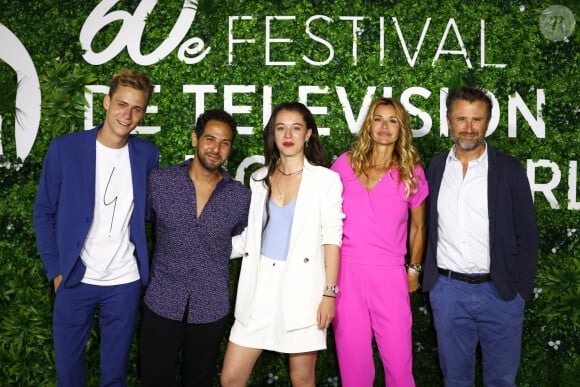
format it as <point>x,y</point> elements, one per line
<point>207,166</point>
<point>467,146</point>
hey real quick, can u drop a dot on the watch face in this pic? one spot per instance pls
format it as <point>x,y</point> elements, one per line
<point>333,288</point>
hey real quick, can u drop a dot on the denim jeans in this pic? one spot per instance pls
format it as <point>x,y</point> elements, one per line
<point>466,315</point>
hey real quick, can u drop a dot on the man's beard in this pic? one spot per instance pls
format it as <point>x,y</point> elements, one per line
<point>206,165</point>
<point>467,146</point>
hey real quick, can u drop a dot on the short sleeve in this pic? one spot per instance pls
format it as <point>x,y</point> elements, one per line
<point>422,188</point>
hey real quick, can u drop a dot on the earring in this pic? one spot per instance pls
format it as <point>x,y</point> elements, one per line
<point>306,143</point>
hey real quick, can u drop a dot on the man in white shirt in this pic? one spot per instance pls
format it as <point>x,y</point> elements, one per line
<point>482,248</point>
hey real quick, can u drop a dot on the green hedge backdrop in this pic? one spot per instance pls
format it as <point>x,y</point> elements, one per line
<point>262,53</point>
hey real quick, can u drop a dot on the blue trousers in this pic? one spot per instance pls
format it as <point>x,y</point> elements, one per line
<point>74,311</point>
<point>466,315</point>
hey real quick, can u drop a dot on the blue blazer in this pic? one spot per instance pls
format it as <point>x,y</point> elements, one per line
<point>64,205</point>
<point>513,232</point>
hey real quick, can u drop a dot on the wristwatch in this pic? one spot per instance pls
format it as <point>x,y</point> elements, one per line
<point>415,267</point>
<point>332,288</point>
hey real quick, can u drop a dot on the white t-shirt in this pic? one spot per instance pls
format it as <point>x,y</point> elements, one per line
<point>108,252</point>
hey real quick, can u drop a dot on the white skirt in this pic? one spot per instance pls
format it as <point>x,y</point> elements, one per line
<point>265,328</point>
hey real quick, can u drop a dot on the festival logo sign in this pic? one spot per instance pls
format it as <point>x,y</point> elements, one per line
<point>190,51</point>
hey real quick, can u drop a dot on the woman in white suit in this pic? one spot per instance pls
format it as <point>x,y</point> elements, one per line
<point>290,250</point>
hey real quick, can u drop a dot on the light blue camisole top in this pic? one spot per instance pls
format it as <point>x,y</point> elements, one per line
<point>276,237</point>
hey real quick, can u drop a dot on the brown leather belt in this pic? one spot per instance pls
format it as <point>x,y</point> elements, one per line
<point>469,278</point>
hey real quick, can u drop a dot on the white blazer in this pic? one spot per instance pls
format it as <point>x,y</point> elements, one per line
<point>317,221</point>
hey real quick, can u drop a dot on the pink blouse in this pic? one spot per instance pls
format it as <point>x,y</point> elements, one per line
<point>375,227</point>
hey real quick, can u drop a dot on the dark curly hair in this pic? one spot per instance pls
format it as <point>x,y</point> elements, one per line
<point>218,115</point>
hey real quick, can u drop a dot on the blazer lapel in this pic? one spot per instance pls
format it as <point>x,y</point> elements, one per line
<point>302,209</point>
<point>87,167</point>
<point>138,171</point>
<point>261,196</point>
<point>434,186</point>
<point>492,188</point>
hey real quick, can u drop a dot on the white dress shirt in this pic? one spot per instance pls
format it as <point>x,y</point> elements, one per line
<point>463,228</point>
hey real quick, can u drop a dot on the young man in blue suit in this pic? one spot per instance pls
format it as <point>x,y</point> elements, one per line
<point>482,248</point>
<point>89,217</point>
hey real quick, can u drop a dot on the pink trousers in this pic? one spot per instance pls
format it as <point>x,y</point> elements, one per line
<point>373,301</point>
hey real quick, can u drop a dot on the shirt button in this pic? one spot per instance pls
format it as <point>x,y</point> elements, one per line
<point>306,260</point>
<point>246,254</point>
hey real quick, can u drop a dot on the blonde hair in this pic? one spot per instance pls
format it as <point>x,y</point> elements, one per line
<point>132,78</point>
<point>405,155</point>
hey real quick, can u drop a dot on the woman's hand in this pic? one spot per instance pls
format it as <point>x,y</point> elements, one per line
<point>326,311</point>
<point>413,281</point>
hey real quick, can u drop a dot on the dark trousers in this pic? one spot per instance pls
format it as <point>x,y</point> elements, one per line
<point>161,341</point>
<point>74,310</point>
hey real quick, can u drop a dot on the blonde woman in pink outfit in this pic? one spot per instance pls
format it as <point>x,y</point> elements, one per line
<point>384,193</point>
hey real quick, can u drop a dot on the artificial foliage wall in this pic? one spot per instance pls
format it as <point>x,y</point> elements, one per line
<point>57,57</point>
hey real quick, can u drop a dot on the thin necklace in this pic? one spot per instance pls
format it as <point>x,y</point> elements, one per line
<point>277,184</point>
<point>280,193</point>
<point>291,173</point>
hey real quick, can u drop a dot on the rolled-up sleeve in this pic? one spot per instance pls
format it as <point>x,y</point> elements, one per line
<point>331,215</point>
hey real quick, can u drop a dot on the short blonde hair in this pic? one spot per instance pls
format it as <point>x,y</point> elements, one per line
<point>132,78</point>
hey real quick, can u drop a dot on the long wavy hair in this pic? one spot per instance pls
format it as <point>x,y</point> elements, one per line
<point>312,149</point>
<point>405,155</point>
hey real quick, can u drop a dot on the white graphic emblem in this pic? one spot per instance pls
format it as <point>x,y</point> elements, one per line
<point>28,97</point>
